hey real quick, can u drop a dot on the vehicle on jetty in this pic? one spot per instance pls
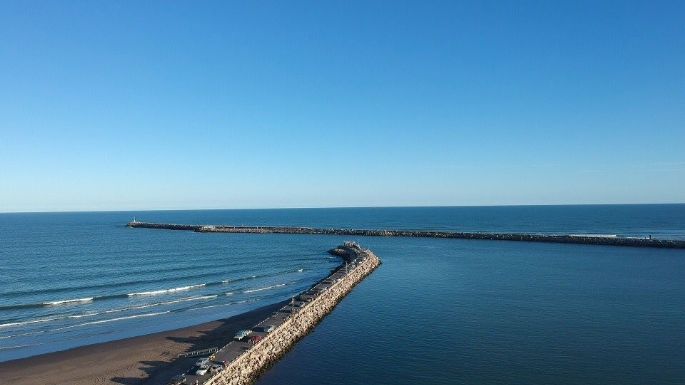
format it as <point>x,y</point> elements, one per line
<point>242,334</point>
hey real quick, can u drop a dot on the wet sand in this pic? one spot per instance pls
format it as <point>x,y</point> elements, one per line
<point>150,359</point>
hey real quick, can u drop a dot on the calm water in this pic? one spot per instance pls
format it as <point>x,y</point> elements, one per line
<point>437,311</point>
<point>487,312</point>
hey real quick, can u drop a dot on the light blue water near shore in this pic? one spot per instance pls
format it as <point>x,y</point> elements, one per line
<point>437,311</point>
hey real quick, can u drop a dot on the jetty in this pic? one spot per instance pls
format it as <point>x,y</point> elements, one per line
<point>520,237</point>
<point>252,351</point>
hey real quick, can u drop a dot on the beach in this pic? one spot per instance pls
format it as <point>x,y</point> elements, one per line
<point>149,359</point>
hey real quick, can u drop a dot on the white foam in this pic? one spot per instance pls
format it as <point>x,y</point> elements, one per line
<point>68,301</point>
<point>22,334</point>
<point>127,317</point>
<point>28,322</point>
<point>84,315</point>
<point>594,235</point>
<point>166,291</point>
<point>92,314</point>
<point>264,288</point>
<point>115,319</point>
<point>18,346</point>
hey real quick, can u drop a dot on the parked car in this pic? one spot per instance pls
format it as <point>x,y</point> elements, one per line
<point>216,368</point>
<point>242,334</point>
<point>202,362</point>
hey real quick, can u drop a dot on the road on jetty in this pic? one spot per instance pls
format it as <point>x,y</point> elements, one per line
<point>241,361</point>
<point>579,239</point>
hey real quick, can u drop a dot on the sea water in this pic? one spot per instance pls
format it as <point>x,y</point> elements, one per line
<point>437,311</point>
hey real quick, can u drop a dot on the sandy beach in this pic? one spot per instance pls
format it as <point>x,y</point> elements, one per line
<point>150,359</point>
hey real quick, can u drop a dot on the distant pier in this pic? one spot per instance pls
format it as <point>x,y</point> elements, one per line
<point>576,239</point>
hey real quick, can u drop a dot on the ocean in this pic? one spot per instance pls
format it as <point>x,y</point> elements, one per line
<point>438,311</point>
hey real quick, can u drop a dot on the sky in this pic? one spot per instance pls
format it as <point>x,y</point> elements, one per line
<point>132,105</point>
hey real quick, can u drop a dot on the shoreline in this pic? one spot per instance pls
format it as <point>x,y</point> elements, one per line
<point>148,359</point>
<point>155,358</point>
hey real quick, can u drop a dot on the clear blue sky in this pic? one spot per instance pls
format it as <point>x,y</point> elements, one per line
<point>108,105</point>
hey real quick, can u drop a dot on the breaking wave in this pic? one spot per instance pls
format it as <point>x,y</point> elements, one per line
<point>69,301</point>
<point>167,291</point>
<point>113,320</point>
<point>119,310</point>
<point>264,288</point>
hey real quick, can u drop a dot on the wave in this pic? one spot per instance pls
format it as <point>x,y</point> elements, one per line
<point>105,285</point>
<point>221,305</point>
<point>264,288</point>
<point>21,335</point>
<point>22,306</point>
<point>77,301</point>
<point>122,318</point>
<point>62,302</point>
<point>187,299</point>
<point>18,346</point>
<point>91,323</point>
<point>110,311</point>
<point>167,291</point>
<point>87,300</point>
<point>69,301</point>
<point>594,235</point>
<point>28,322</point>
<point>112,320</point>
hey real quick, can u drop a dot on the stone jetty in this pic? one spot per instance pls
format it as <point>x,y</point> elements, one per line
<point>579,239</point>
<point>245,359</point>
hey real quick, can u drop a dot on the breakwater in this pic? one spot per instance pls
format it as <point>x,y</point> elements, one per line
<point>246,359</point>
<point>577,239</point>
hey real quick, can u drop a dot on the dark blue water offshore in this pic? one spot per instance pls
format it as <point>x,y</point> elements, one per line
<point>489,312</point>
<point>437,311</point>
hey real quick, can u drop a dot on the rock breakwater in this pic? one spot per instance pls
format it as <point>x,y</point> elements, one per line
<point>302,317</point>
<point>577,239</point>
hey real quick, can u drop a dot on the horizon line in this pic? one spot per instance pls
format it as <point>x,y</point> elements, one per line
<point>337,207</point>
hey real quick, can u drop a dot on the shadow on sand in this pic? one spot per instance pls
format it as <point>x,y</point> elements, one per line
<point>159,372</point>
